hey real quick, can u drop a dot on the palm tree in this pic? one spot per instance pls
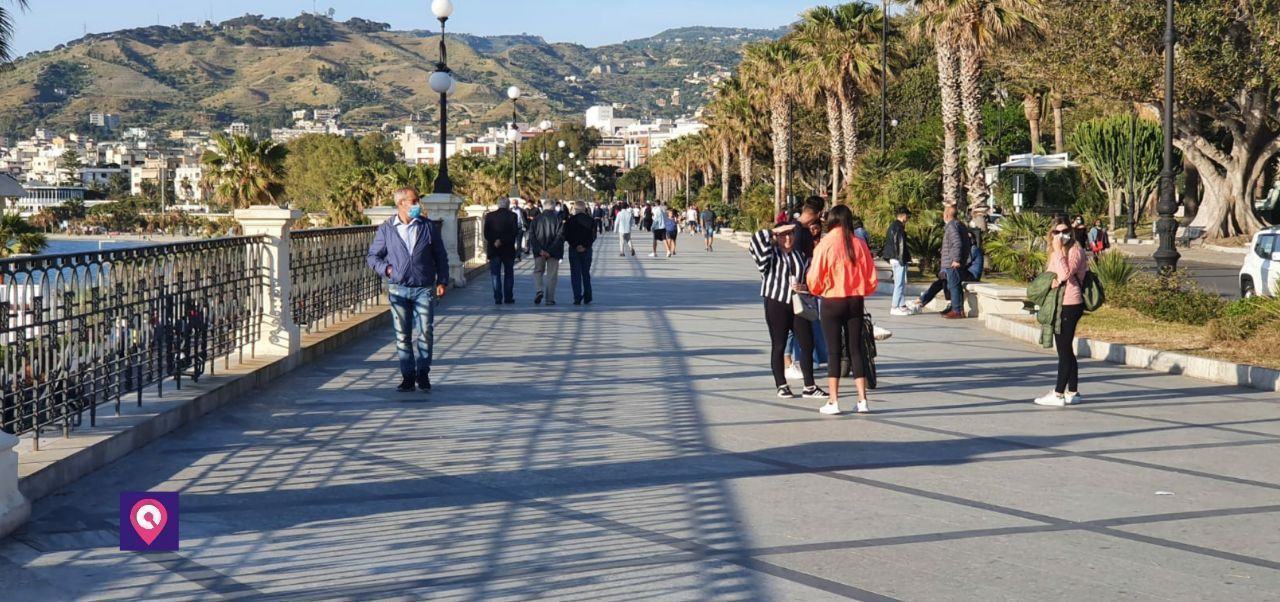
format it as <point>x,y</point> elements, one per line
<point>770,72</point>
<point>242,171</point>
<point>935,20</point>
<point>818,36</point>
<point>18,237</point>
<point>980,26</point>
<point>740,122</point>
<point>6,29</point>
<point>1031,109</point>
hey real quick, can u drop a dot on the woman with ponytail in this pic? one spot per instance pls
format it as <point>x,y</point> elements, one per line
<point>843,273</point>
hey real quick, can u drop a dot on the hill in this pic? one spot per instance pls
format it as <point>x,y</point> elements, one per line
<point>257,69</point>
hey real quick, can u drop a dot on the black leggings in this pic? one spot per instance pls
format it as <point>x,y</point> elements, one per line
<point>1064,340</point>
<point>781,319</point>
<point>840,315</point>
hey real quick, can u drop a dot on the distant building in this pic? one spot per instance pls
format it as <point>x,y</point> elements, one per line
<point>186,184</point>
<point>100,177</point>
<point>41,197</point>
<point>323,115</point>
<point>109,121</point>
<point>601,117</point>
<point>611,151</point>
<point>238,128</point>
<point>419,149</point>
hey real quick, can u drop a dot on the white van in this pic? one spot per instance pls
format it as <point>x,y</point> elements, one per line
<point>1261,267</point>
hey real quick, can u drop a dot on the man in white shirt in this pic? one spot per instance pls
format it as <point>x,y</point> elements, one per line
<point>659,229</point>
<point>624,224</point>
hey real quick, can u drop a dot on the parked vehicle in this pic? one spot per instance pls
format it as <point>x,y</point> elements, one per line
<point>1261,268</point>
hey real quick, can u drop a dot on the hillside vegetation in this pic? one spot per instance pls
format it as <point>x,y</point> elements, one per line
<point>257,69</point>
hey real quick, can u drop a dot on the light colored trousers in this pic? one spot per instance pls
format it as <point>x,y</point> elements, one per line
<point>899,283</point>
<point>550,267</point>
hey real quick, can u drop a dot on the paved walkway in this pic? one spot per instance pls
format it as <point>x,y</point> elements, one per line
<point>634,450</point>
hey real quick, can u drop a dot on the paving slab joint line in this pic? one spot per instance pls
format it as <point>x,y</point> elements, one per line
<point>1203,368</point>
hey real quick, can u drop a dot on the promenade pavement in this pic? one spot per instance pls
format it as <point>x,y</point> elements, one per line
<point>633,450</point>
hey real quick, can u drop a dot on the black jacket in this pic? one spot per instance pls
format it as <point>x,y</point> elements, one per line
<point>500,225</point>
<point>581,231</point>
<point>895,244</point>
<point>547,235</point>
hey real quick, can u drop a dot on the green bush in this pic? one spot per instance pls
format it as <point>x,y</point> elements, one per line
<point>757,209</point>
<point>1242,318</point>
<point>1173,299</point>
<point>1060,188</point>
<point>1114,269</point>
<point>1019,248</point>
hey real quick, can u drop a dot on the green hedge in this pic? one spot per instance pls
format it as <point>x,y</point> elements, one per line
<point>1175,299</point>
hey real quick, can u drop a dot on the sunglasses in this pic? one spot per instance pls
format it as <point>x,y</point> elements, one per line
<point>1062,231</point>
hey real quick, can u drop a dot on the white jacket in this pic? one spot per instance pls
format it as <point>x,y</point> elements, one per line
<point>624,222</point>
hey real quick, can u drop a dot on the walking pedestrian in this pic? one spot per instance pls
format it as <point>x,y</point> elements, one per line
<point>546,240</point>
<point>580,233</point>
<point>521,224</point>
<point>955,260</point>
<point>782,269</point>
<point>597,215</point>
<point>624,223</point>
<point>408,251</point>
<point>658,215</point>
<point>647,223</point>
<point>898,254</point>
<point>691,219</point>
<point>1069,265</point>
<point>708,228</point>
<point>843,273</point>
<point>673,230</point>
<point>501,231</point>
<point>1099,238</point>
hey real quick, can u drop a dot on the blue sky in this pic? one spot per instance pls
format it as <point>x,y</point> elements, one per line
<point>591,22</point>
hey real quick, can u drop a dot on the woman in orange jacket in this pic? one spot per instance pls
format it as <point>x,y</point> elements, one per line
<point>843,272</point>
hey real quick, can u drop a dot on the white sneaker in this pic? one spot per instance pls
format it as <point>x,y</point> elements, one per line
<point>794,372</point>
<point>862,407</point>
<point>900,311</point>
<point>653,255</point>
<point>1052,400</point>
<point>915,307</point>
<point>1072,398</point>
<point>882,334</point>
<point>830,409</point>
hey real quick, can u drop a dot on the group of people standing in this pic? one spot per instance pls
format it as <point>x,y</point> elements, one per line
<point>554,228</point>
<point>815,274</point>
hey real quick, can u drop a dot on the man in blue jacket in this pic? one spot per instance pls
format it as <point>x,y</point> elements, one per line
<point>408,250</point>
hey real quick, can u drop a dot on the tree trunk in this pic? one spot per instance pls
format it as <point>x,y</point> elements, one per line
<point>1230,176</point>
<point>1059,144</point>
<point>835,136</point>
<point>971,101</point>
<point>779,120</point>
<point>849,125</point>
<point>1031,109</point>
<point>744,166</point>
<point>726,162</point>
<point>950,96</point>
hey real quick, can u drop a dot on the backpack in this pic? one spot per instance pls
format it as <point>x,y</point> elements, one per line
<point>1091,289</point>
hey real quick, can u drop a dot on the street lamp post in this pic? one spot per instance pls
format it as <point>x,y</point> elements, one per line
<point>441,82</point>
<point>545,126</point>
<point>560,168</point>
<point>1167,256</point>
<point>514,94</point>
<point>1132,232</point>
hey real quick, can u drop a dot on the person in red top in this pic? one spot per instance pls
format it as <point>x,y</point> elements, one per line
<point>842,272</point>
<point>1069,265</point>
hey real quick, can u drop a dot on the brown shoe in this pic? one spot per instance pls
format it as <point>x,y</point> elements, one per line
<point>954,315</point>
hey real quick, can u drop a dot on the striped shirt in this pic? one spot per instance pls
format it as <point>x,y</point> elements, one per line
<point>777,269</point>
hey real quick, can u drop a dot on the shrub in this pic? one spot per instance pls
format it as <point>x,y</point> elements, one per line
<point>1114,269</point>
<point>1018,249</point>
<point>1173,299</point>
<point>1003,190</point>
<point>1242,318</point>
<point>757,209</point>
<point>1060,188</point>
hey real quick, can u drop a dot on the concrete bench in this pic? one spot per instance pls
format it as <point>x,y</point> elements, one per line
<point>983,298</point>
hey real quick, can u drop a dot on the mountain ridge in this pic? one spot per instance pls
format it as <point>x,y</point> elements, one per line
<point>257,69</point>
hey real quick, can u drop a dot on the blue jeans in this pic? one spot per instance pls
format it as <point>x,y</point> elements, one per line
<point>899,283</point>
<point>502,270</point>
<point>955,284</point>
<point>975,268</point>
<point>580,274</point>
<point>413,316</point>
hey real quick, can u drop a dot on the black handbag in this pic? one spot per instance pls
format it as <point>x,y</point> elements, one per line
<point>867,343</point>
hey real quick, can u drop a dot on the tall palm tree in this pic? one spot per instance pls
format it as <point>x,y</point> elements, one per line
<point>935,20</point>
<point>242,171</point>
<point>6,29</point>
<point>771,71</point>
<point>979,27</point>
<point>818,36</point>
<point>1031,109</point>
<point>742,122</point>
<point>19,237</point>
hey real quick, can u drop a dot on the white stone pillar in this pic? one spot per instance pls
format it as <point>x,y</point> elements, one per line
<point>280,335</point>
<point>14,508</point>
<point>444,207</point>
<point>478,211</point>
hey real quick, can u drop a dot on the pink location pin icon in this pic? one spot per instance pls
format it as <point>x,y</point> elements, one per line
<point>148,518</point>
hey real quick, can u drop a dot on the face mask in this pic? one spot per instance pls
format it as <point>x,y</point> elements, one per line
<point>415,212</point>
<point>1064,237</point>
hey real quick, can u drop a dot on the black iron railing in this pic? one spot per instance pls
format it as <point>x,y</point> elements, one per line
<point>83,329</point>
<point>330,275</point>
<point>468,234</point>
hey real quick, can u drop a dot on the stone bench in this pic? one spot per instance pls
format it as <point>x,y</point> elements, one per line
<point>982,298</point>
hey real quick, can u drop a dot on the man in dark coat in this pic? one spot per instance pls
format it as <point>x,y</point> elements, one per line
<point>580,233</point>
<point>501,231</point>
<point>546,240</point>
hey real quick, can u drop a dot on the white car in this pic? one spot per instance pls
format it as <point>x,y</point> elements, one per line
<point>1261,267</point>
